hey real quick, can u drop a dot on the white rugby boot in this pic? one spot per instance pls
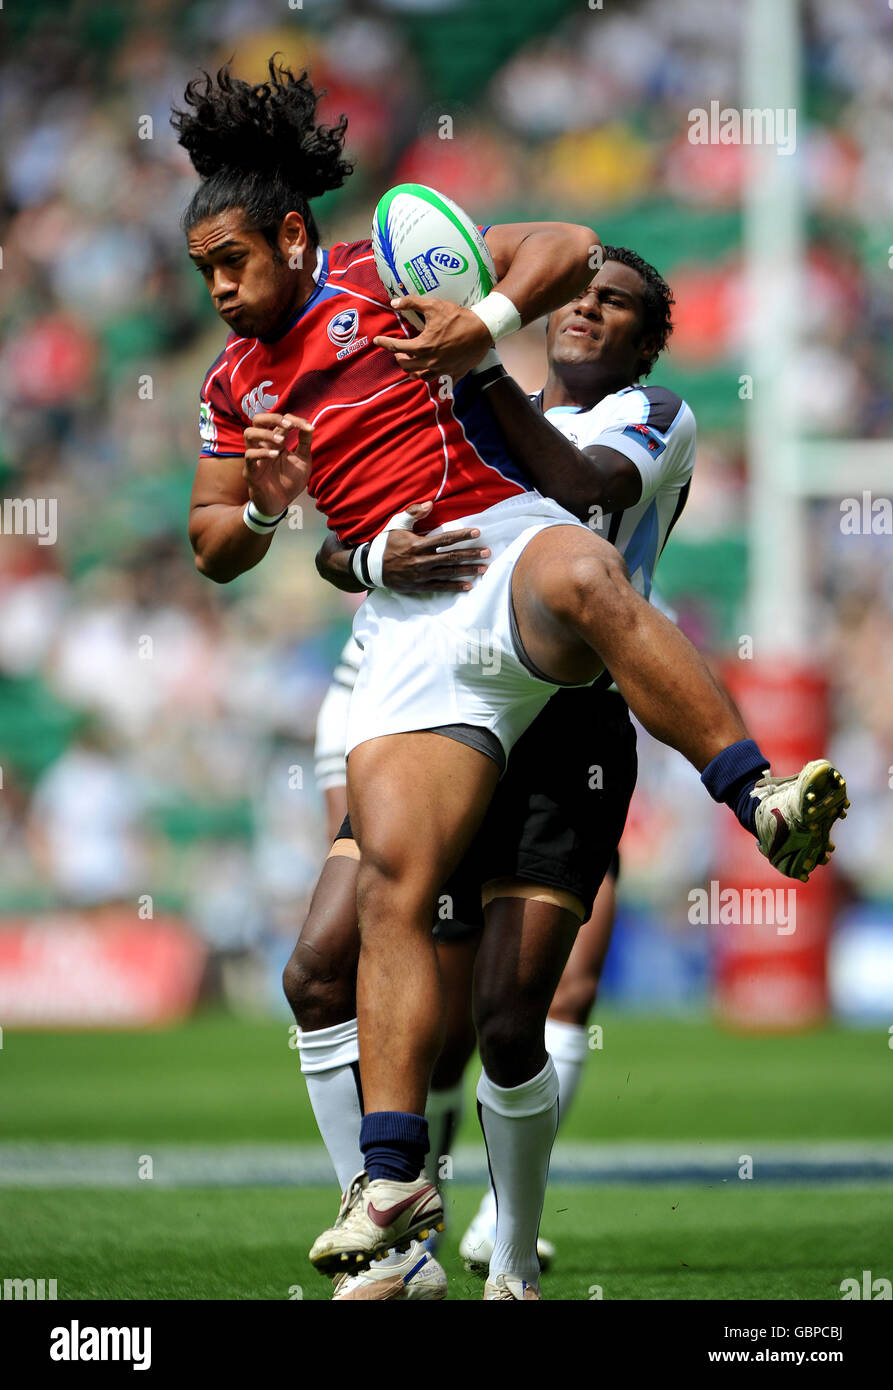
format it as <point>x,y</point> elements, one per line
<point>507,1288</point>
<point>374,1218</point>
<point>417,1276</point>
<point>795,814</point>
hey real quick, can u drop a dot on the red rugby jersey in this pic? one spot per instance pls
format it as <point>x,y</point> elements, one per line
<point>381,439</point>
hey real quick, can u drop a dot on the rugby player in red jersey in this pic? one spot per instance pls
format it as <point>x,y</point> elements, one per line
<point>362,427</point>
<point>550,834</point>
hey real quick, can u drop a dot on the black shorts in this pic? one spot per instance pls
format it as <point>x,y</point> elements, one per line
<point>558,812</point>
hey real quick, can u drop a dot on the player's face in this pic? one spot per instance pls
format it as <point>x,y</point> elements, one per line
<point>603,326</point>
<point>253,287</point>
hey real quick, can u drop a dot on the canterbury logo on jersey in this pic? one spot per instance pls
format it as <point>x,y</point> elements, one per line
<point>257,400</point>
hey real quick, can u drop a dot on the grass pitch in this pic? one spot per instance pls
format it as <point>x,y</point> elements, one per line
<point>223,1081</point>
<point>655,1242</point>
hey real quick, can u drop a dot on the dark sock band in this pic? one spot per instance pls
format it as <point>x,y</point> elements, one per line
<point>731,775</point>
<point>394,1144</point>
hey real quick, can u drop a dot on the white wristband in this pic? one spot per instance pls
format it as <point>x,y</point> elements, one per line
<point>401,521</point>
<point>259,522</point>
<point>375,559</point>
<point>499,314</point>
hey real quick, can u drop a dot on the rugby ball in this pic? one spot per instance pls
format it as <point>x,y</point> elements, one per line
<point>425,244</point>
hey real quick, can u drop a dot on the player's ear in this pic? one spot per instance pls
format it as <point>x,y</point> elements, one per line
<point>648,349</point>
<point>293,241</point>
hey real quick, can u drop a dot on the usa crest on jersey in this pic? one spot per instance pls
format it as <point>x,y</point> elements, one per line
<point>342,331</point>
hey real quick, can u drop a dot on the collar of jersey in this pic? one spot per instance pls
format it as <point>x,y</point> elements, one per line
<point>320,275</point>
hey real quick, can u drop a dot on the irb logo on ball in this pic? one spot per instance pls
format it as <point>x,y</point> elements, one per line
<point>422,270</point>
<point>448,262</point>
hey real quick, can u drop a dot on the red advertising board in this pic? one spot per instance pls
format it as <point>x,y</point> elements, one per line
<point>97,970</point>
<point>771,977</point>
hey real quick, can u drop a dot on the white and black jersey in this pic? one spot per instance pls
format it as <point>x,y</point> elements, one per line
<point>558,813</point>
<point>655,429</point>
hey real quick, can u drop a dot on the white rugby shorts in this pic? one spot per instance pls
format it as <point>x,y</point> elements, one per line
<point>331,721</point>
<point>450,658</point>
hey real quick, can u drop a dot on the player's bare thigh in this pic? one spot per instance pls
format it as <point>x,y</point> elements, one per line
<point>561,572</point>
<point>416,800</point>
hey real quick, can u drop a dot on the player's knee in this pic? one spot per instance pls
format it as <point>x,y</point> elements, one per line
<point>320,989</point>
<point>592,580</point>
<point>391,886</point>
<point>505,1034</point>
<point>598,576</point>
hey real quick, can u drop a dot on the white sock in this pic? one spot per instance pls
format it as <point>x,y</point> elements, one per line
<point>485,1216</point>
<point>568,1046</point>
<point>330,1064</point>
<point>443,1113</point>
<point>519,1124</point>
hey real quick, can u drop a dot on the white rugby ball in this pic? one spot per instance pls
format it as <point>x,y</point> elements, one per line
<point>425,244</point>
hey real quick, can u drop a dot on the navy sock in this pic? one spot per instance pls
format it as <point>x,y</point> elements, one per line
<point>394,1144</point>
<point>730,778</point>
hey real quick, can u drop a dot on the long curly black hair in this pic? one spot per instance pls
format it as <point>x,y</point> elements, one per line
<point>259,148</point>
<point>657,301</point>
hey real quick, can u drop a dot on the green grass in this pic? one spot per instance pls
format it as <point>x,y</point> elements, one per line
<point>735,1242</point>
<point>219,1080</point>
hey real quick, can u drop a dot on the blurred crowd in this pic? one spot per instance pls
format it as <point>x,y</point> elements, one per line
<point>156,731</point>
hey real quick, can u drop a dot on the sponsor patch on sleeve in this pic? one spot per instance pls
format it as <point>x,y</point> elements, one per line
<point>207,428</point>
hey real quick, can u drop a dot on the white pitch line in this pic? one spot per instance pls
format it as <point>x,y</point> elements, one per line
<point>306,1165</point>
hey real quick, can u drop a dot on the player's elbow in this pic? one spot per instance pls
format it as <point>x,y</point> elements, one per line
<point>205,562</point>
<point>201,565</point>
<point>214,572</point>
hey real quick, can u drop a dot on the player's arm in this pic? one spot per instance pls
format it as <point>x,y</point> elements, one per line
<point>333,563</point>
<point>542,265</point>
<point>539,266</point>
<point>410,564</point>
<point>580,479</point>
<point>271,474</point>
